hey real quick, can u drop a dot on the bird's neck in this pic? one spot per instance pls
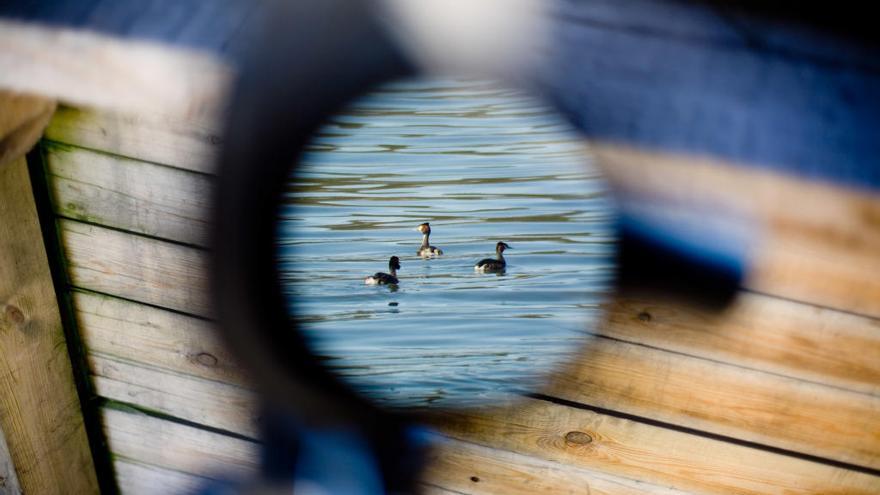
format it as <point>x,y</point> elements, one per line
<point>425,239</point>
<point>393,271</point>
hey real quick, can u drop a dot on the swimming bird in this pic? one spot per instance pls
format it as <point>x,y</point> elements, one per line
<point>426,250</point>
<point>381,278</point>
<point>491,264</point>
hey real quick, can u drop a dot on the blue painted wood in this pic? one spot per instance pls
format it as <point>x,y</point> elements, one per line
<point>795,91</point>
<point>694,86</point>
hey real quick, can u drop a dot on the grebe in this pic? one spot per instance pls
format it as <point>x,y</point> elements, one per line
<point>493,265</point>
<point>380,278</point>
<point>426,250</point>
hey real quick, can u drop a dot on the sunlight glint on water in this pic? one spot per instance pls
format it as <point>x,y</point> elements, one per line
<point>481,164</point>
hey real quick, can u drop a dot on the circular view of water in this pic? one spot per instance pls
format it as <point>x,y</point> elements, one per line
<point>481,164</point>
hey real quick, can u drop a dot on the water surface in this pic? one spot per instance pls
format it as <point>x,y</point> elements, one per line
<point>482,165</point>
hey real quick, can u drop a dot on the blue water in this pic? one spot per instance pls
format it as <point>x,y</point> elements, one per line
<point>481,164</point>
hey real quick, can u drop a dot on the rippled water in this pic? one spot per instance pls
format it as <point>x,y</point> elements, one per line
<point>481,164</point>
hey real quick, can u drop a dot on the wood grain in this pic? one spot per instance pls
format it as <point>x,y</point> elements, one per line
<point>661,456</point>
<point>147,270</point>
<point>724,399</point>
<point>135,478</point>
<point>155,337</point>
<point>188,144</point>
<point>463,467</point>
<point>178,447</point>
<point>129,194</point>
<point>40,413</point>
<point>758,332</point>
<point>186,452</point>
<point>200,401</point>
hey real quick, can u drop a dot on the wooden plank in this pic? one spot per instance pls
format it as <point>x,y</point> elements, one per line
<point>165,444</point>
<point>8,479</point>
<point>134,76</point>
<point>820,241</point>
<point>463,467</point>
<point>533,450</point>
<point>725,399</point>
<point>759,332</point>
<point>205,402</point>
<point>135,478</point>
<point>151,336</point>
<point>166,139</point>
<point>40,412</point>
<point>129,194</point>
<point>625,448</point>
<point>155,272</point>
<point>451,465</point>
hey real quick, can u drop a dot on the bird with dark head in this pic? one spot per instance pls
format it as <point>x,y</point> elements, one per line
<point>493,265</point>
<point>381,278</point>
<point>426,250</point>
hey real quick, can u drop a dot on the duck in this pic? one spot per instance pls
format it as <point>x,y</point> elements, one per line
<point>426,250</point>
<point>490,265</point>
<point>381,278</point>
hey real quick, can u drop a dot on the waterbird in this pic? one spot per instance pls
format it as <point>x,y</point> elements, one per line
<point>381,278</point>
<point>491,264</point>
<point>426,250</point>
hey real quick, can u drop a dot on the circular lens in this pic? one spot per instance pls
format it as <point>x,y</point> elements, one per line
<point>445,242</point>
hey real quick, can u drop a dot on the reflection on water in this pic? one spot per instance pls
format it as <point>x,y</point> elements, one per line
<point>482,165</point>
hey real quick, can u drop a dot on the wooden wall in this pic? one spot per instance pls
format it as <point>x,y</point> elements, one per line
<point>779,394</point>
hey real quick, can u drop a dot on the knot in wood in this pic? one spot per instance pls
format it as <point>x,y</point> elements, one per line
<point>14,315</point>
<point>644,316</point>
<point>475,479</point>
<point>207,359</point>
<point>577,438</point>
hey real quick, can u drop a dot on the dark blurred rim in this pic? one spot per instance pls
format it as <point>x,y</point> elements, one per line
<point>313,58</point>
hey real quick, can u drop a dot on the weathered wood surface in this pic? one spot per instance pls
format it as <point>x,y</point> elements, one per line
<point>645,452</point>
<point>464,467</point>
<point>169,445</point>
<point>135,478</point>
<point>725,399</point>
<point>177,142</point>
<point>545,447</point>
<point>147,270</point>
<point>166,340</point>
<point>188,454</point>
<point>128,194</point>
<point>205,402</point>
<point>40,412</point>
